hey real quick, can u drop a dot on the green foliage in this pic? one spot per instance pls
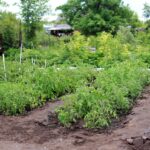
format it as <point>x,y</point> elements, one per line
<point>36,85</point>
<point>91,17</point>
<point>3,4</point>
<point>43,39</point>
<point>75,51</point>
<point>32,12</point>
<point>68,66</point>
<point>12,53</point>
<point>79,50</point>
<point>14,71</point>
<point>55,83</point>
<point>146,12</point>
<point>9,34</point>
<point>16,98</point>
<point>143,38</point>
<point>111,95</point>
<point>107,49</point>
<point>125,36</point>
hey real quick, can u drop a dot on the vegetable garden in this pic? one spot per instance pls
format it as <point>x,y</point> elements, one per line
<point>96,86</point>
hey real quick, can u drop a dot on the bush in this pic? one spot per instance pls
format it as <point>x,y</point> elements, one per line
<point>54,83</point>
<point>112,94</point>
<point>16,98</point>
<point>37,85</point>
<point>12,54</point>
<point>16,72</point>
<point>125,36</point>
<point>9,30</point>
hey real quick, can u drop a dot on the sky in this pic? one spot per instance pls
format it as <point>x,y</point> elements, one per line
<point>136,5</point>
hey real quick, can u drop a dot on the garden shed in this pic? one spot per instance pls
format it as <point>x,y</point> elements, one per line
<point>60,30</point>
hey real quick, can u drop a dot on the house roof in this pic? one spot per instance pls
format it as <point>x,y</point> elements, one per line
<point>60,27</point>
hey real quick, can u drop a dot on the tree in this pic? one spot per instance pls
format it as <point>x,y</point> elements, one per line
<point>2,3</point>
<point>92,16</point>
<point>9,34</point>
<point>32,13</point>
<point>146,12</point>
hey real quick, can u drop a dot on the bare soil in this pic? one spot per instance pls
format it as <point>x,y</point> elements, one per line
<point>40,130</point>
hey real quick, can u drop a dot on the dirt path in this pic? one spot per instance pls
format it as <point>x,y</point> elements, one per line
<point>36,132</point>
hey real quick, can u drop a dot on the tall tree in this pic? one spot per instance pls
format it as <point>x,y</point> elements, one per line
<point>32,13</point>
<point>92,16</point>
<point>146,12</point>
<point>2,3</point>
<point>9,26</point>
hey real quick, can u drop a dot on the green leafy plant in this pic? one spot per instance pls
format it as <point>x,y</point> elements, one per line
<point>112,94</point>
<point>16,98</point>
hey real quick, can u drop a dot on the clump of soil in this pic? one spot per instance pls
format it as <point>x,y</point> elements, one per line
<point>140,143</point>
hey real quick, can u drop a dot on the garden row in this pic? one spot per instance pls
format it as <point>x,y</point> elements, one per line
<point>112,94</point>
<point>27,87</point>
<point>95,97</point>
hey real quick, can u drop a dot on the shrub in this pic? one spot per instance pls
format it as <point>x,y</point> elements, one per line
<point>112,94</point>
<point>54,83</point>
<point>16,98</point>
<point>9,30</point>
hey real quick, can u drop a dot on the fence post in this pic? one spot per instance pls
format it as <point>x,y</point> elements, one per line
<point>21,53</point>
<point>4,65</point>
<point>45,63</point>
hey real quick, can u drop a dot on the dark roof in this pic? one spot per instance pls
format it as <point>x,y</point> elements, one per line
<point>60,27</point>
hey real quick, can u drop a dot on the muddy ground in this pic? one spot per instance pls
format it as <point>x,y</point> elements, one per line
<point>40,130</point>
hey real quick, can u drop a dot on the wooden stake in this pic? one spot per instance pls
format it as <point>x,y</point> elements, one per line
<point>32,61</point>
<point>4,65</point>
<point>20,41</point>
<point>45,63</point>
<point>21,53</point>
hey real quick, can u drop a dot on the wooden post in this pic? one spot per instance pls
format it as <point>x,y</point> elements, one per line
<point>20,42</point>
<point>4,65</point>
<point>32,60</point>
<point>21,53</point>
<point>45,63</point>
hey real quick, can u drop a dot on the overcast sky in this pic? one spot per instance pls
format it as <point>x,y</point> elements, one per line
<point>136,5</point>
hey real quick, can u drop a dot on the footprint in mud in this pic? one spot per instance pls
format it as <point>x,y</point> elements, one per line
<point>78,140</point>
